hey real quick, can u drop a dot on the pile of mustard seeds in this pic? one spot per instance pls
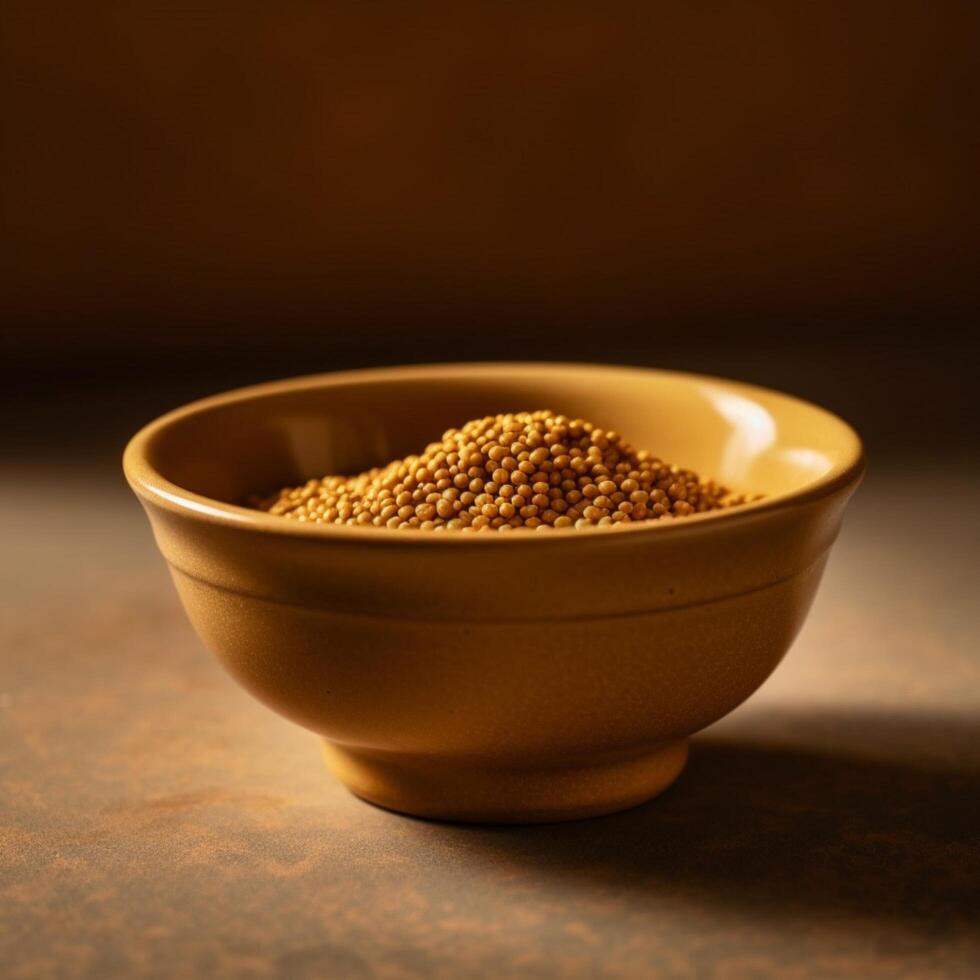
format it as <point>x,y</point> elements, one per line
<point>515,472</point>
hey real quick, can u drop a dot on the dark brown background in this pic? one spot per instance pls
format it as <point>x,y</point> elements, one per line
<point>198,195</point>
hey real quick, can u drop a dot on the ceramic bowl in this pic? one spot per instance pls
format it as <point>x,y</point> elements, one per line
<point>489,677</point>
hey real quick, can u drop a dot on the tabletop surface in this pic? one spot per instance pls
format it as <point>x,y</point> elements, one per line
<point>157,821</point>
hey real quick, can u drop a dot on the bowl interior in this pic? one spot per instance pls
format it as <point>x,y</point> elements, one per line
<point>257,440</point>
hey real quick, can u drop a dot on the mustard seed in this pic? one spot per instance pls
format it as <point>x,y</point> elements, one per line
<point>520,471</point>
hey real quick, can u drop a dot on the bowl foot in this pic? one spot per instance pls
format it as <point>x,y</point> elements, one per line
<point>441,789</point>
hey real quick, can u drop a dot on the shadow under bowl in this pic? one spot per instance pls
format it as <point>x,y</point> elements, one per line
<point>491,677</point>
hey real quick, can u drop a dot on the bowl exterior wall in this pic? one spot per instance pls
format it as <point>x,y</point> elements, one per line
<point>506,692</point>
<point>598,644</point>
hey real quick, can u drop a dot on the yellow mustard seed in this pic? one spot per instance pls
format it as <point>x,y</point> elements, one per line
<point>519,471</point>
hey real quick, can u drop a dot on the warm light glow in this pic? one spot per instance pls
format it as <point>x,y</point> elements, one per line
<point>814,462</point>
<point>753,432</point>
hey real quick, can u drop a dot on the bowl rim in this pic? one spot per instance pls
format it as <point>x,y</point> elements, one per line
<point>151,486</point>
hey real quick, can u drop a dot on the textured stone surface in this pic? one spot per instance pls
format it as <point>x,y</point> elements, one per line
<point>156,821</point>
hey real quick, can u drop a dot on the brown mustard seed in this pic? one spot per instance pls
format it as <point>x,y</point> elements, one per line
<point>514,472</point>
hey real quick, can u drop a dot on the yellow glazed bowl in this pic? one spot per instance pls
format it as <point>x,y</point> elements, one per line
<point>496,677</point>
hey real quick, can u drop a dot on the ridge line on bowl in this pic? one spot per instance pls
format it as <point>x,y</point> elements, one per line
<point>455,620</point>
